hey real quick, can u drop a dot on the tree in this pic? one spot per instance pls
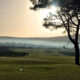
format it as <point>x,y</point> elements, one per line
<point>67,17</point>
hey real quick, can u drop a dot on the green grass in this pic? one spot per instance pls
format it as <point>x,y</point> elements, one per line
<point>39,67</point>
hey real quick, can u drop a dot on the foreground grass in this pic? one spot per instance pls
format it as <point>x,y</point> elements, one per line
<point>39,67</point>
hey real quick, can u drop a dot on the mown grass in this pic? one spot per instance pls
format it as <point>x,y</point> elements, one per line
<point>39,67</point>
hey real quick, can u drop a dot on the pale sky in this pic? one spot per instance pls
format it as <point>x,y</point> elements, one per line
<point>17,20</point>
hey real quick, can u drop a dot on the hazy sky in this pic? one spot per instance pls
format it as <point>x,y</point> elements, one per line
<point>17,20</point>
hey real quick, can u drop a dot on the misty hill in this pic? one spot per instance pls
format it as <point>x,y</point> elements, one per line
<point>50,42</point>
<point>53,39</point>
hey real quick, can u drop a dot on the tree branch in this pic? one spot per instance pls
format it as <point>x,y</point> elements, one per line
<point>77,31</point>
<point>69,35</point>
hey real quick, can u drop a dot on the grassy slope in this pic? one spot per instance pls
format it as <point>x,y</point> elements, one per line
<point>39,67</point>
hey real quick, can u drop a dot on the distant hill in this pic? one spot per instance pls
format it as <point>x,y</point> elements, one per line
<point>48,42</point>
<point>50,39</point>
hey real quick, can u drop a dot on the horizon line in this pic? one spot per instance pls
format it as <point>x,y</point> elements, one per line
<point>32,37</point>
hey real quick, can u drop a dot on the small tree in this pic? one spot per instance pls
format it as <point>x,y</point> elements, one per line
<point>67,17</point>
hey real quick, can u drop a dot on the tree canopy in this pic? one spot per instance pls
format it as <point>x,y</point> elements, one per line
<point>67,16</point>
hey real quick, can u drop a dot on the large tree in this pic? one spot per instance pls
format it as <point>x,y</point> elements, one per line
<point>67,16</point>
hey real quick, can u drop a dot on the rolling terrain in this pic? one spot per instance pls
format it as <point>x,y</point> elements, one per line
<point>39,66</point>
<point>56,42</point>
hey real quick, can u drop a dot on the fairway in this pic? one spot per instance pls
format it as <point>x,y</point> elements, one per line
<point>39,67</point>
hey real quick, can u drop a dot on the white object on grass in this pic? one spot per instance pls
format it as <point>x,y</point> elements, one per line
<point>21,69</point>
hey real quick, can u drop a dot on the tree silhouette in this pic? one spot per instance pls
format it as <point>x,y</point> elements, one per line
<point>67,16</point>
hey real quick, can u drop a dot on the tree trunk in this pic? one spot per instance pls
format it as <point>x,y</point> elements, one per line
<point>77,54</point>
